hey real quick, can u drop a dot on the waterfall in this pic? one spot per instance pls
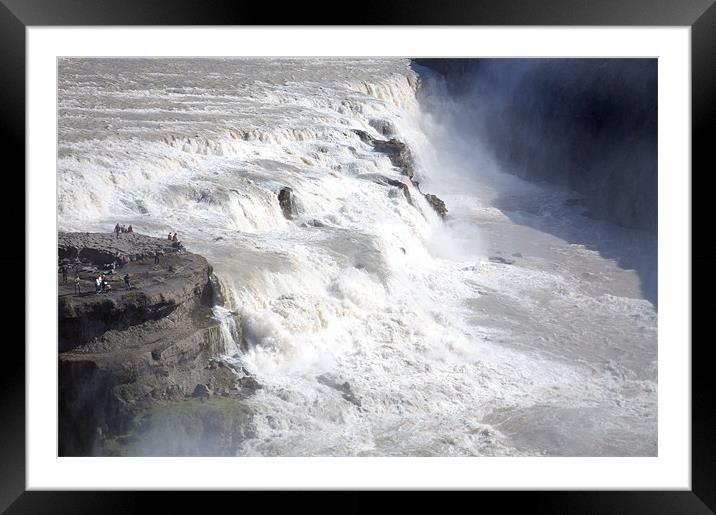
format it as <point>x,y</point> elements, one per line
<point>230,332</point>
<point>468,335</point>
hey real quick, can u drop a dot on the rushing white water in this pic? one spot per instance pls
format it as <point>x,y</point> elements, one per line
<point>446,351</point>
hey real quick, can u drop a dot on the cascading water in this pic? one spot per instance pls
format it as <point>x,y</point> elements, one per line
<point>485,334</point>
<point>230,333</point>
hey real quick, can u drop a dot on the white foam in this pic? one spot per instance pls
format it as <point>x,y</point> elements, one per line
<point>432,337</point>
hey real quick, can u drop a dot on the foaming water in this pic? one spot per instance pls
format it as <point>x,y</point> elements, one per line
<point>551,350</point>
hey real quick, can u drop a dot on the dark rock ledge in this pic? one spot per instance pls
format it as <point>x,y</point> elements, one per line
<point>287,202</point>
<point>401,157</point>
<point>131,361</point>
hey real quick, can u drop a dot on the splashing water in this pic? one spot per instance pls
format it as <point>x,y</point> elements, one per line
<point>446,349</point>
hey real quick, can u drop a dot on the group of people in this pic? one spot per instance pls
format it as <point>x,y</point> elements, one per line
<point>174,239</point>
<point>120,229</point>
<point>119,261</point>
<point>101,285</point>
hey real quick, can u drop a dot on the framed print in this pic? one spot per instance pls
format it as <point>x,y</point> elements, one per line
<point>446,249</point>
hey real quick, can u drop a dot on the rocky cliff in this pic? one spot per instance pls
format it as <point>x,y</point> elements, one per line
<point>140,369</point>
<point>587,124</point>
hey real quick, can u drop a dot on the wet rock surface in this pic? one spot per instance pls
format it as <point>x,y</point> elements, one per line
<point>437,204</point>
<point>400,157</point>
<point>397,151</point>
<point>128,357</point>
<point>403,187</point>
<point>287,203</point>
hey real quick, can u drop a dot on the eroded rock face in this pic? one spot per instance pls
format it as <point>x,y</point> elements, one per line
<point>181,281</point>
<point>592,120</point>
<point>398,184</point>
<point>101,248</point>
<point>112,384</point>
<point>437,204</point>
<point>397,151</point>
<point>287,202</point>
<point>400,157</point>
<point>131,358</point>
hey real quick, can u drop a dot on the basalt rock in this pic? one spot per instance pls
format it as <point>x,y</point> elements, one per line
<point>287,202</point>
<point>129,359</point>
<point>397,151</point>
<point>101,248</point>
<point>401,157</point>
<point>397,184</point>
<point>437,204</point>
<point>181,282</point>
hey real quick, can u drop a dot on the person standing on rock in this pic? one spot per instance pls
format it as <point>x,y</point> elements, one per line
<point>127,285</point>
<point>156,257</point>
<point>77,285</point>
<point>129,229</point>
<point>98,285</point>
<point>116,230</point>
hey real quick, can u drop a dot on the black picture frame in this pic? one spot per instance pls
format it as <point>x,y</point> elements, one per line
<point>17,15</point>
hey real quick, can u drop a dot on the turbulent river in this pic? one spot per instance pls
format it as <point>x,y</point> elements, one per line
<point>513,327</point>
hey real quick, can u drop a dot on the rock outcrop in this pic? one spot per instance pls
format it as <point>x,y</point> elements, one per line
<point>181,282</point>
<point>400,157</point>
<point>287,203</point>
<point>398,184</point>
<point>101,249</point>
<point>397,151</point>
<point>130,358</point>
<point>437,204</point>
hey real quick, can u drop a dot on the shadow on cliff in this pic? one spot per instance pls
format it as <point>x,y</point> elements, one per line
<point>585,125</point>
<point>630,249</point>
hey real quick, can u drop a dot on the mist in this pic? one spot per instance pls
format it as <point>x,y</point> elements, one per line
<point>361,318</point>
<point>587,127</point>
<point>587,124</point>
